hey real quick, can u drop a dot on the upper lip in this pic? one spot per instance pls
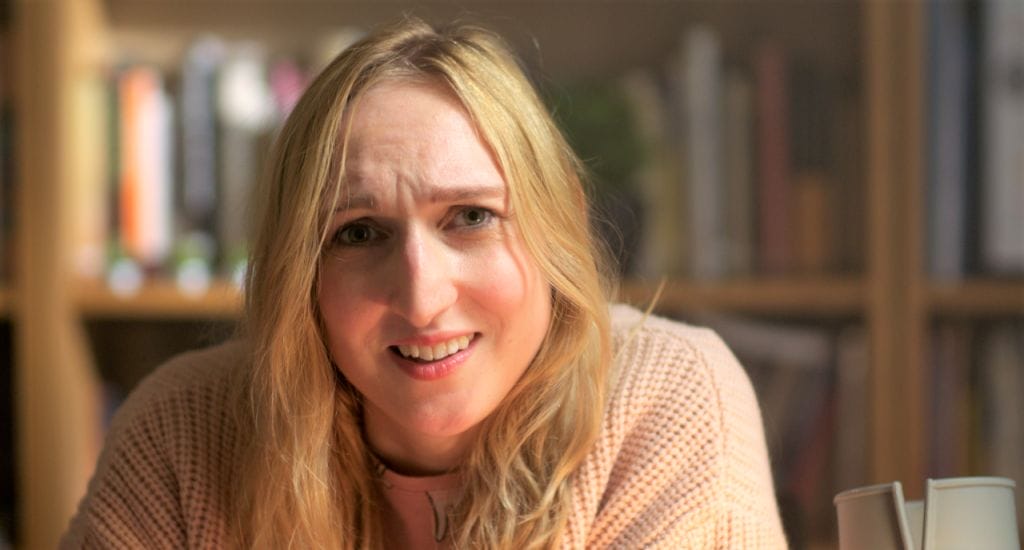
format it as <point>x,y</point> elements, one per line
<point>433,338</point>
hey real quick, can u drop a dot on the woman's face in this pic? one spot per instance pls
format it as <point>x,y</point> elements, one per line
<point>433,307</point>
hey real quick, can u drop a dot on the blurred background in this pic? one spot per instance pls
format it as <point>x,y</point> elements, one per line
<point>836,186</point>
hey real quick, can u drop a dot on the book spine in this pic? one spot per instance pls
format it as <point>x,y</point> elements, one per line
<point>774,193</point>
<point>1001,384</point>
<point>197,201</point>
<point>246,112</point>
<point>738,173</point>
<point>702,121</point>
<point>947,139</point>
<point>89,203</point>
<point>1003,139</point>
<point>812,241</point>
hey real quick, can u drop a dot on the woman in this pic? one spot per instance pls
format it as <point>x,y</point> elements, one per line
<point>429,358</point>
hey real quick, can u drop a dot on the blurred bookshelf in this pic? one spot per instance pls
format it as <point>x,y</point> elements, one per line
<point>159,300</point>
<point>976,298</point>
<point>814,298</point>
<point>842,290</point>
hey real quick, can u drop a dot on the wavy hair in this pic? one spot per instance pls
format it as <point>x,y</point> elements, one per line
<point>307,478</point>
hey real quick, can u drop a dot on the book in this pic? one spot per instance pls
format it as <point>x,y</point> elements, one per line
<point>146,177</point>
<point>701,112</point>
<point>246,113</point>
<point>1000,384</point>
<point>813,244</point>
<point>773,160</point>
<point>288,81</point>
<point>89,205</point>
<point>949,415</point>
<point>1002,202</point>
<point>850,198</point>
<point>948,134</point>
<point>738,172</point>
<point>197,196</point>
<point>852,369</point>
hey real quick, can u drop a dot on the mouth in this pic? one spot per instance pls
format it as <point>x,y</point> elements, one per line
<point>435,352</point>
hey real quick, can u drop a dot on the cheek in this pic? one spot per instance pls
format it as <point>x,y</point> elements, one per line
<point>512,288</point>
<point>343,313</point>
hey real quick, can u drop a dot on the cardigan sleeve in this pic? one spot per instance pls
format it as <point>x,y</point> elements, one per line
<point>747,514</point>
<point>132,499</point>
<point>682,462</point>
<point>164,477</point>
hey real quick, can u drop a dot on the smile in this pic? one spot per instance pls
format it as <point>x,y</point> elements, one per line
<point>434,352</point>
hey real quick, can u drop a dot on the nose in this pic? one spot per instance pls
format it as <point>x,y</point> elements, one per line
<point>423,282</point>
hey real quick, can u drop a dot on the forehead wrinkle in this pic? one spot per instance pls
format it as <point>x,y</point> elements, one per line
<point>356,202</point>
<point>434,195</point>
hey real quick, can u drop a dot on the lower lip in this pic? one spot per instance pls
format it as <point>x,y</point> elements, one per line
<point>435,370</point>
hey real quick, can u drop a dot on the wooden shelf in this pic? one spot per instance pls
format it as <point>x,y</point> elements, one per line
<point>977,298</point>
<point>802,297</point>
<point>6,302</point>
<point>813,297</point>
<point>159,300</point>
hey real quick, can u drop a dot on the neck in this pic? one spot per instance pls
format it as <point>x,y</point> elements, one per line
<point>414,454</point>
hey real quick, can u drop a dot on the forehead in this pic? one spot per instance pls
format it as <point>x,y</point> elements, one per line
<point>415,132</point>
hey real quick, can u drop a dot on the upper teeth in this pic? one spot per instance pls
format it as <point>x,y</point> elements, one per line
<point>437,351</point>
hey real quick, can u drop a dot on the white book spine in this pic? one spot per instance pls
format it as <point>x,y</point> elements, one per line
<point>1002,202</point>
<point>703,137</point>
<point>153,201</point>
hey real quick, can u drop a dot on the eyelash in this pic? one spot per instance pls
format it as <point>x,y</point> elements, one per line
<point>375,233</point>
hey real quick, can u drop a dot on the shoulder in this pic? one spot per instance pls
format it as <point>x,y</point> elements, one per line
<point>189,372</point>
<point>684,386</point>
<point>167,457</point>
<point>674,356</point>
<point>185,398</point>
<point>681,410</point>
<point>196,381</point>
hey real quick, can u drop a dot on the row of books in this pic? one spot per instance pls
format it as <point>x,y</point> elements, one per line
<point>977,415</point>
<point>177,156</point>
<point>975,102</point>
<point>745,170</point>
<point>752,166</point>
<point>749,167</point>
<point>811,382</point>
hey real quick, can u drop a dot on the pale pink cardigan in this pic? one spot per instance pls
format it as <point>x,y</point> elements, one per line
<point>681,461</point>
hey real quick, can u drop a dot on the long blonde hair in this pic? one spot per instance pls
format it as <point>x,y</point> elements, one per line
<point>307,478</point>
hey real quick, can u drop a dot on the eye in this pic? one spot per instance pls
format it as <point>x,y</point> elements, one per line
<point>472,216</point>
<point>356,234</point>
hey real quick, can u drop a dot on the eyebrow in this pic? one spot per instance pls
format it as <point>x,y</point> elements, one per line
<point>441,195</point>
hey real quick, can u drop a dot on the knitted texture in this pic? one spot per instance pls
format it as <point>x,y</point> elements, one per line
<point>681,460</point>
